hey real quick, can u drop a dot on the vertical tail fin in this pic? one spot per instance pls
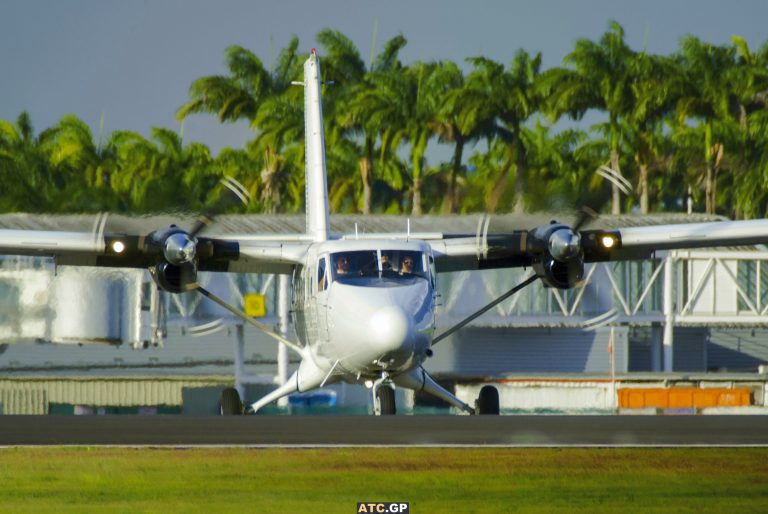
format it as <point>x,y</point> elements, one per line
<point>318,225</point>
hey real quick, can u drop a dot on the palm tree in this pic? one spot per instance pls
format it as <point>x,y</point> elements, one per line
<point>251,92</point>
<point>600,79</point>
<point>750,87</point>
<point>409,102</point>
<point>161,174</point>
<point>750,80</point>
<point>506,98</point>
<point>563,167</point>
<point>465,116</point>
<point>655,89</point>
<point>81,169</point>
<point>280,122</point>
<point>355,116</point>
<point>343,66</point>
<point>24,168</point>
<point>235,96</point>
<point>751,191</point>
<point>239,164</point>
<point>709,71</point>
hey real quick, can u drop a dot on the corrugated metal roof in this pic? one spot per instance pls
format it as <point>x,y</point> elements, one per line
<point>342,223</point>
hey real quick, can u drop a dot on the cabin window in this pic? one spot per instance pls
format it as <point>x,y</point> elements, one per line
<point>306,278</point>
<point>298,286</point>
<point>432,271</point>
<point>322,275</point>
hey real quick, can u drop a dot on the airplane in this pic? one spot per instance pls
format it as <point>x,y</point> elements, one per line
<point>364,305</point>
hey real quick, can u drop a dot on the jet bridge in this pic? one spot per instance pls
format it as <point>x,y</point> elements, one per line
<point>65,305</point>
<point>717,288</point>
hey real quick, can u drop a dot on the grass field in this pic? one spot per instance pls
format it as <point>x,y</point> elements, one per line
<point>433,480</point>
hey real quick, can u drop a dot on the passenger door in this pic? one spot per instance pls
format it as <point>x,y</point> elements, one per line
<point>321,282</point>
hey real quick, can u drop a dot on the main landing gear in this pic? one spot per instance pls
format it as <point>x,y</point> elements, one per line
<point>420,381</point>
<point>488,401</point>
<point>230,403</point>
<point>383,393</point>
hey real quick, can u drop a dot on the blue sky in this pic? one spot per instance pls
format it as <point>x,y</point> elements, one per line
<point>134,60</point>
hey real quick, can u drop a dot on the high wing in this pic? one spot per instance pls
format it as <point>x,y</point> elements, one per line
<point>273,254</point>
<point>558,252</point>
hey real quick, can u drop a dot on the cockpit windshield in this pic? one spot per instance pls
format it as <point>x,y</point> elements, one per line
<point>392,264</point>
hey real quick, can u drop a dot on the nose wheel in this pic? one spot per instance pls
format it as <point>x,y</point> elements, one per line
<point>383,397</point>
<point>488,401</point>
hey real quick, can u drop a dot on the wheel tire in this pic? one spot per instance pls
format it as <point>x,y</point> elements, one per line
<point>230,402</point>
<point>386,397</point>
<point>488,401</point>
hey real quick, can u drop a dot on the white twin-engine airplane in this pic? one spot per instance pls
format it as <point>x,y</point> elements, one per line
<point>364,306</point>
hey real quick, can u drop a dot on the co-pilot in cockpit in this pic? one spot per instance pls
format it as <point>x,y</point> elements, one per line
<point>384,264</point>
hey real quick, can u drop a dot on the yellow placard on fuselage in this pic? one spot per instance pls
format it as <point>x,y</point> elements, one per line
<point>254,305</point>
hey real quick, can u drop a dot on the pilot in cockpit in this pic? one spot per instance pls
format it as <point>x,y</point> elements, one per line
<point>342,265</point>
<point>407,266</point>
<point>386,264</point>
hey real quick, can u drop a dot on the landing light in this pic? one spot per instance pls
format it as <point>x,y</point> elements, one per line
<point>368,384</point>
<point>118,246</point>
<point>608,241</point>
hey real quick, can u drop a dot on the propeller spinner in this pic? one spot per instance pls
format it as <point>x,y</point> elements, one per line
<point>180,248</point>
<point>564,244</point>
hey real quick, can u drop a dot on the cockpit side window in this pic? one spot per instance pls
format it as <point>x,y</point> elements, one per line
<point>322,275</point>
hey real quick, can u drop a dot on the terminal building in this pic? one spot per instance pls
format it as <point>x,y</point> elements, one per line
<point>85,339</point>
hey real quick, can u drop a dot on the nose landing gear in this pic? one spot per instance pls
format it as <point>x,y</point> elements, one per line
<point>383,396</point>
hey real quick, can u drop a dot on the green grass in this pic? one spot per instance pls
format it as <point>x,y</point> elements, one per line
<point>433,480</point>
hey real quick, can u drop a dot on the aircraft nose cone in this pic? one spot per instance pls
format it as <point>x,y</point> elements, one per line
<point>389,328</point>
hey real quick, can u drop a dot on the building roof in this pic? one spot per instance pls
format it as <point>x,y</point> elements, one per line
<point>340,223</point>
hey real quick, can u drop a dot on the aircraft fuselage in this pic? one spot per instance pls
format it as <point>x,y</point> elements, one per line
<point>365,307</point>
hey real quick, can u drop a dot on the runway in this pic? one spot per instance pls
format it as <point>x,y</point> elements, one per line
<point>310,431</point>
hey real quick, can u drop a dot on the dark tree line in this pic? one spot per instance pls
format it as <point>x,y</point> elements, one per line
<point>695,120</point>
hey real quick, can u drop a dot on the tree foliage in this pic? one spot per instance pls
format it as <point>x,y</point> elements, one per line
<point>691,123</point>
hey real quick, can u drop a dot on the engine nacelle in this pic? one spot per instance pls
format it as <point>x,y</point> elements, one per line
<point>561,275</point>
<point>174,279</point>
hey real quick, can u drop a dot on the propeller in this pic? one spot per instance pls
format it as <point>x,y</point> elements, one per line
<point>586,215</point>
<point>569,248</point>
<point>557,251</point>
<point>237,192</point>
<point>177,253</point>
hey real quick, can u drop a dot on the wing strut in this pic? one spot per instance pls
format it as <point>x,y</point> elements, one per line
<point>240,314</point>
<point>488,307</point>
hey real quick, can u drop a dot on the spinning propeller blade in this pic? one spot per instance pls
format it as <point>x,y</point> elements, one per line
<point>235,193</point>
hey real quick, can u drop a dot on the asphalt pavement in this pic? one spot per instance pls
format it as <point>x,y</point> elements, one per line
<point>299,431</point>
